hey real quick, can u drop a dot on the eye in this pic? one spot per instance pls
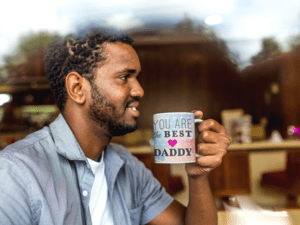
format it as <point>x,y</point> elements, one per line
<point>124,77</point>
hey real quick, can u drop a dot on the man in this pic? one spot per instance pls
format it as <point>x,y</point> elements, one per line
<point>70,173</point>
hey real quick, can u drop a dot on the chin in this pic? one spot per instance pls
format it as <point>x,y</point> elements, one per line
<point>122,129</point>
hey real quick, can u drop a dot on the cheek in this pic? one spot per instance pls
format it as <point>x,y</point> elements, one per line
<point>118,99</point>
<point>118,94</point>
<point>115,93</point>
<point>111,91</point>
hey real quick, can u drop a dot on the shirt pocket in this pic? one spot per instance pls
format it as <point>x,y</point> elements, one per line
<point>135,215</point>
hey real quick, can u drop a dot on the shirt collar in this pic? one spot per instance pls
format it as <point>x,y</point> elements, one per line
<point>113,164</point>
<point>65,140</point>
<point>68,147</point>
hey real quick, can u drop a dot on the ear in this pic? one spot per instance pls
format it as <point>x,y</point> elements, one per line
<point>75,85</point>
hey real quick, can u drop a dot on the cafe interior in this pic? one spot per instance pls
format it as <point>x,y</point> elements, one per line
<point>239,63</point>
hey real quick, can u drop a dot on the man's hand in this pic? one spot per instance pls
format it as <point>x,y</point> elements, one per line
<point>211,143</point>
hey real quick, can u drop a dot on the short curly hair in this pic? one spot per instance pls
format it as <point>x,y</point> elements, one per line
<point>81,55</point>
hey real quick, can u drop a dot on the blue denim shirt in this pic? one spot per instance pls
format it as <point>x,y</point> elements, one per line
<point>46,179</point>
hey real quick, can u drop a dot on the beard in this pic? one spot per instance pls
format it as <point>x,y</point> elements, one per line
<point>104,113</point>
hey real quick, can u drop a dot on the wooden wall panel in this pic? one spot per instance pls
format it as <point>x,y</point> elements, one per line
<point>290,82</point>
<point>183,77</point>
<point>283,108</point>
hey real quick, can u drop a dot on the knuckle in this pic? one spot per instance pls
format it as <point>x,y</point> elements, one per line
<point>219,161</point>
<point>199,147</point>
<point>226,141</point>
<point>222,152</point>
<point>205,133</point>
<point>211,122</point>
<point>223,129</point>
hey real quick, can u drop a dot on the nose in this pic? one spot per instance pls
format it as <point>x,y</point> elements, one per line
<point>137,90</point>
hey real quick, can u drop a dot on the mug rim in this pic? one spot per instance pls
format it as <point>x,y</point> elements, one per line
<point>173,113</point>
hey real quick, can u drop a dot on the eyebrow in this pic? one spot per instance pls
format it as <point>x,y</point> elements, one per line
<point>129,71</point>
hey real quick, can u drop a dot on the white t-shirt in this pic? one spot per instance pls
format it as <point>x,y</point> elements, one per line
<point>100,205</point>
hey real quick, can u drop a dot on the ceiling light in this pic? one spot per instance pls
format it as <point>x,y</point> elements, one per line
<point>4,98</point>
<point>213,19</point>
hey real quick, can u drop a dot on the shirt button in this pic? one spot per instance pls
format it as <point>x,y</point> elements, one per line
<point>84,193</point>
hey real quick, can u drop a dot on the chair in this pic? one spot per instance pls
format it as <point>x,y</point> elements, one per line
<point>286,181</point>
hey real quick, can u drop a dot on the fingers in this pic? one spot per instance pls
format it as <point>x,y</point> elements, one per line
<point>206,149</point>
<point>209,124</point>
<point>198,114</point>
<point>209,161</point>
<point>207,136</point>
<point>212,125</point>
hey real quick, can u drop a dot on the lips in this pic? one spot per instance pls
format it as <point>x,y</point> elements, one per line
<point>132,108</point>
<point>132,103</point>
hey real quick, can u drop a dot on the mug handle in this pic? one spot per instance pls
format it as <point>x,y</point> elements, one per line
<point>198,121</point>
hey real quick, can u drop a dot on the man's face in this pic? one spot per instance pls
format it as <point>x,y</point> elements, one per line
<point>116,91</point>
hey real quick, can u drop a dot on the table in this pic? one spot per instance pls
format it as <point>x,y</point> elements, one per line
<point>266,145</point>
<point>293,214</point>
<point>232,176</point>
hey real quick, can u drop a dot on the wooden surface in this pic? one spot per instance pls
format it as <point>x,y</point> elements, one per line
<point>294,216</point>
<point>232,176</point>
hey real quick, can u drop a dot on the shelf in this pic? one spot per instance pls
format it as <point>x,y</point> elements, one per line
<point>265,145</point>
<point>15,88</point>
<point>25,84</point>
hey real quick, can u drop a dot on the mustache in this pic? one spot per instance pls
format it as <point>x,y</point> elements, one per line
<point>131,101</point>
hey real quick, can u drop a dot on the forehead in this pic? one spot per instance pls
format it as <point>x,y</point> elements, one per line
<point>119,55</point>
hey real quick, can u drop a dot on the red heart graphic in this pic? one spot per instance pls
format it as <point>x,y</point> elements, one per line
<point>172,143</point>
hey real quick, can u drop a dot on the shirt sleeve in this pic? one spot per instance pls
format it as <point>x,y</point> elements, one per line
<point>154,197</point>
<point>14,201</point>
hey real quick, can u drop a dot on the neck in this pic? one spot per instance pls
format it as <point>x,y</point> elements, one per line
<point>91,137</point>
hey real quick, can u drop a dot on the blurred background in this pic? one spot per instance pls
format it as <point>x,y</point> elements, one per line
<point>236,60</point>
